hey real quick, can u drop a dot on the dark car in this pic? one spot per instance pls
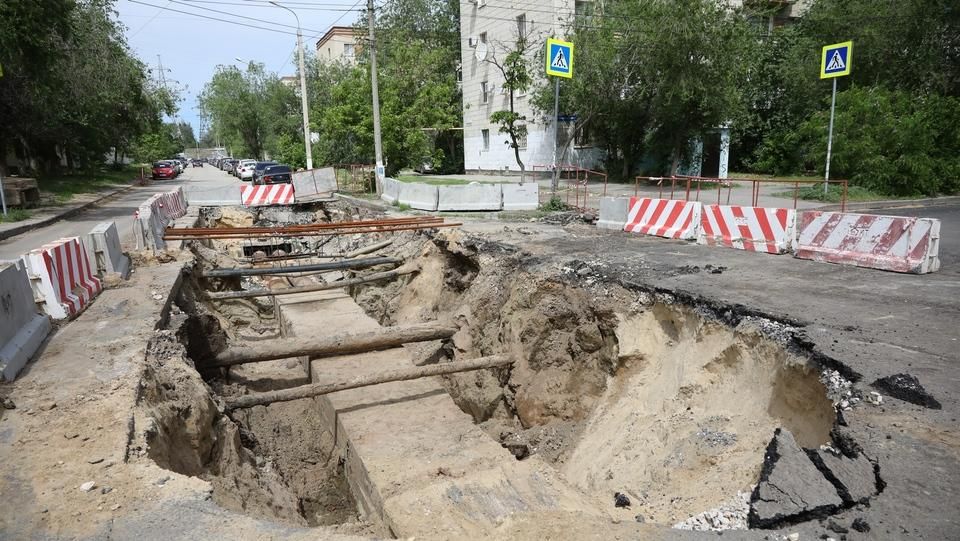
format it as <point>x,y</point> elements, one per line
<point>258,170</point>
<point>164,170</point>
<point>197,163</point>
<point>276,174</point>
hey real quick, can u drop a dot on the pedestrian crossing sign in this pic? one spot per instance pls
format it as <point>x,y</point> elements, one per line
<point>559,58</point>
<point>836,59</point>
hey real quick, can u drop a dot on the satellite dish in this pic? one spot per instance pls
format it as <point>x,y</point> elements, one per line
<point>481,51</point>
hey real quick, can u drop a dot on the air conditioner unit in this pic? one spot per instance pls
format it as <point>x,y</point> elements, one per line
<point>473,41</point>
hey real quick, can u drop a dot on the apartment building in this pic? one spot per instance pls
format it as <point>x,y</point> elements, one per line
<point>339,44</point>
<point>489,30</point>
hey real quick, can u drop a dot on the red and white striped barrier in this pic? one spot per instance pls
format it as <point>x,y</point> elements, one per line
<point>755,229</point>
<point>664,217</point>
<point>893,243</point>
<point>61,275</point>
<point>173,204</point>
<point>270,194</point>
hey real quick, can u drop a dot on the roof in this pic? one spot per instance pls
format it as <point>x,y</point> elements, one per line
<point>335,31</point>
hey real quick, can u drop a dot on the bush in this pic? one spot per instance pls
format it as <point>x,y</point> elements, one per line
<point>887,141</point>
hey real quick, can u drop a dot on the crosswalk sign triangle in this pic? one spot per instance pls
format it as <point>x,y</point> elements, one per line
<point>836,62</point>
<point>559,61</point>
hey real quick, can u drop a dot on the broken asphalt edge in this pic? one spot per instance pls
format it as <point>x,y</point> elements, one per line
<point>895,204</point>
<point>67,213</point>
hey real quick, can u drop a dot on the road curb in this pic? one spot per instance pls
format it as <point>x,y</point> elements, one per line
<point>896,203</point>
<point>13,232</point>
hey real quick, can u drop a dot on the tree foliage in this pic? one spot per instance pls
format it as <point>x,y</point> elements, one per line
<point>651,75</point>
<point>71,89</point>
<point>889,135</point>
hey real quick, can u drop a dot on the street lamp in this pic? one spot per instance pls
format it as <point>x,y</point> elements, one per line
<point>303,89</point>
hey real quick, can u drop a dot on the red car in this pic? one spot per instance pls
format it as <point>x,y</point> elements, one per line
<point>164,170</point>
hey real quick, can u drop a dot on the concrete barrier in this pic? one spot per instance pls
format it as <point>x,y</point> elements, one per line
<point>521,196</point>
<point>314,184</point>
<point>60,275</point>
<point>149,224</point>
<point>102,244</point>
<point>613,213</point>
<point>23,328</point>
<point>754,229</point>
<point>267,195</point>
<point>473,196</point>
<point>892,243</point>
<point>226,196</point>
<point>418,196</point>
<point>668,218</point>
<point>391,190</point>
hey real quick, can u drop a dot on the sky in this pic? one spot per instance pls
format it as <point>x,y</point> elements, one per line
<point>191,46</point>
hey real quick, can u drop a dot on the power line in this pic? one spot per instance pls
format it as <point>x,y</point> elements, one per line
<point>200,15</point>
<point>237,15</point>
<point>146,24</point>
<point>309,7</point>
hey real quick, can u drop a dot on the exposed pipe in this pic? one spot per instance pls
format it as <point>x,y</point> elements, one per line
<point>333,265</point>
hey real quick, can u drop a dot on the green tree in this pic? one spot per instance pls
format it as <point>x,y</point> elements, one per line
<point>516,79</point>
<point>652,75</point>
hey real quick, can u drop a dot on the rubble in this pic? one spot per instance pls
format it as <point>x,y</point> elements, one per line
<point>907,388</point>
<point>732,515</point>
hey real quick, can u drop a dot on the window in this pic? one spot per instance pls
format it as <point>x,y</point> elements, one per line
<point>522,141</point>
<point>522,25</point>
<point>582,138</point>
<point>483,37</point>
<point>583,10</point>
<point>484,92</point>
<point>486,139</point>
<point>348,49</point>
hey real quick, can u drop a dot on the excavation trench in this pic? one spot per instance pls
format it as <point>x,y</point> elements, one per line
<point>618,389</point>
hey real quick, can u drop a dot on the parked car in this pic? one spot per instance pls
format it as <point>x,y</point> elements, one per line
<point>258,170</point>
<point>230,165</point>
<point>197,163</point>
<point>245,169</point>
<point>276,174</point>
<point>163,169</point>
<point>176,164</point>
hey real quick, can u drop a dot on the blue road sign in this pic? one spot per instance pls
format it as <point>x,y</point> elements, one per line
<point>835,60</point>
<point>559,58</point>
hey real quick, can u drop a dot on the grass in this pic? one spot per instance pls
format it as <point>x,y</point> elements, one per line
<point>835,194</point>
<point>14,215</point>
<point>64,187</point>
<point>433,181</point>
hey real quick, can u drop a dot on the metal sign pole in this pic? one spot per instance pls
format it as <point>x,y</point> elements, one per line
<point>3,197</point>
<point>556,136</point>
<point>833,104</point>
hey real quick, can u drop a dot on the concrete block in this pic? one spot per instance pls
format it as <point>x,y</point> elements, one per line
<point>314,184</point>
<point>213,197</point>
<point>521,196</point>
<point>391,190</point>
<point>102,245</point>
<point>24,328</point>
<point>418,196</point>
<point>473,196</point>
<point>613,212</point>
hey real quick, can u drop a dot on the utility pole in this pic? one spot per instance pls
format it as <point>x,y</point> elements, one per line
<point>377,143</point>
<point>307,142</point>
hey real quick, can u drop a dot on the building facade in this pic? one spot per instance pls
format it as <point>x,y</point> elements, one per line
<point>489,30</point>
<point>339,44</point>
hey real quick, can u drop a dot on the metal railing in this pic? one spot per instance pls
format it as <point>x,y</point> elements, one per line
<point>695,185</point>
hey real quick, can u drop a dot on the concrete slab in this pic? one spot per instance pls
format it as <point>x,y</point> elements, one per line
<point>221,196</point>
<point>314,184</point>
<point>23,328</point>
<point>413,459</point>
<point>521,196</point>
<point>613,213</point>
<point>418,196</point>
<point>470,197</point>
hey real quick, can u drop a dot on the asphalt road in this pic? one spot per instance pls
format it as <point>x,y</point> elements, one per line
<point>949,216</point>
<point>119,209</point>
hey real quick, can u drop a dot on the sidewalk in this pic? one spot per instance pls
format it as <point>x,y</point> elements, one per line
<point>48,215</point>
